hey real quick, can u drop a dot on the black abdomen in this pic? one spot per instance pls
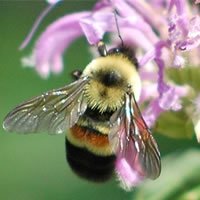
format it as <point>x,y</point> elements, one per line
<point>88,165</point>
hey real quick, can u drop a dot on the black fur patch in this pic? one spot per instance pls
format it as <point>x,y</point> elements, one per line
<point>89,166</point>
<point>126,51</point>
<point>95,115</point>
<point>109,78</point>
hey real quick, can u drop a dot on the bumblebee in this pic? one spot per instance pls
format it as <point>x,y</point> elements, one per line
<point>100,110</point>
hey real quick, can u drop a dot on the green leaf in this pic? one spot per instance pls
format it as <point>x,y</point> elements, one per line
<point>188,75</point>
<point>179,124</point>
<point>174,124</point>
<point>192,194</point>
<point>179,178</point>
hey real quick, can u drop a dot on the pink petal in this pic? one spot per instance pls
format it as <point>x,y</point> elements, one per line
<point>162,86</point>
<point>131,19</point>
<point>35,26</point>
<point>141,28</point>
<point>171,98</point>
<point>152,112</point>
<point>149,14</point>
<point>102,4</point>
<point>128,166</point>
<point>149,91</point>
<point>139,39</point>
<point>147,57</point>
<point>57,63</point>
<point>95,25</point>
<point>134,20</point>
<point>54,41</point>
<point>180,6</point>
<point>197,1</point>
<point>127,176</point>
<point>124,9</point>
<point>181,20</point>
<point>193,37</point>
<point>178,61</point>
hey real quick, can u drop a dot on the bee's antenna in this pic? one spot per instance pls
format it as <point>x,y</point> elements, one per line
<point>117,25</point>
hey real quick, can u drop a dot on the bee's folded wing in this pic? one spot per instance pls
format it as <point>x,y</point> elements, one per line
<point>52,112</point>
<point>131,140</point>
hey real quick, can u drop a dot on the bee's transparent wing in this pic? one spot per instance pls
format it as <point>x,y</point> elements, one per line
<point>131,139</point>
<point>52,112</point>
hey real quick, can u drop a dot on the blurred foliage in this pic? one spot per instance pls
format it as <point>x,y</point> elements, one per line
<point>33,166</point>
<point>187,75</point>
<point>179,124</point>
<point>179,179</point>
<point>192,194</point>
<point>175,125</point>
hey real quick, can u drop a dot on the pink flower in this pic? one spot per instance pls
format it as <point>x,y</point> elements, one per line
<point>197,1</point>
<point>161,32</point>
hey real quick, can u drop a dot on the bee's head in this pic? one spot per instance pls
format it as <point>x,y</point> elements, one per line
<point>116,67</point>
<point>111,76</point>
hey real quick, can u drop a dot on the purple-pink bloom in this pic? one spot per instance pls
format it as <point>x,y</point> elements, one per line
<point>128,167</point>
<point>160,32</point>
<point>152,112</point>
<point>127,176</point>
<point>38,21</point>
<point>96,24</point>
<point>54,41</point>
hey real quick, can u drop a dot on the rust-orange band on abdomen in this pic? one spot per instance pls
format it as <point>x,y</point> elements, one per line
<point>84,134</point>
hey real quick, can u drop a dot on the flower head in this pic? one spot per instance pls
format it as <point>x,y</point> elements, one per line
<point>166,38</point>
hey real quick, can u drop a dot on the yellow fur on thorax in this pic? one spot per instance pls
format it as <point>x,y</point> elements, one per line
<point>115,95</point>
<point>112,101</point>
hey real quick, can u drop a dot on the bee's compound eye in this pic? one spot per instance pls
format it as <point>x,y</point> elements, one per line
<point>117,50</point>
<point>114,51</point>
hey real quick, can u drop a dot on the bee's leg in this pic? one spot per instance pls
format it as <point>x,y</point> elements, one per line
<point>77,74</point>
